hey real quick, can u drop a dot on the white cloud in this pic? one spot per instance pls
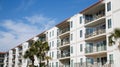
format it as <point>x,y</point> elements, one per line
<point>41,21</point>
<point>36,19</point>
<point>25,4</point>
<point>19,31</point>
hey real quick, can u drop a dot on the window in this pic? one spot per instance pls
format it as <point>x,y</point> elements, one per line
<point>57,54</point>
<point>71,24</point>
<point>71,50</point>
<point>56,64</point>
<point>109,23</point>
<point>52,54</point>
<point>71,38</point>
<point>50,34</point>
<point>80,33</point>
<point>80,20</point>
<point>111,58</point>
<point>57,31</point>
<point>53,33</point>
<point>52,43</point>
<point>81,48</point>
<point>108,6</point>
<point>71,62</point>
<point>52,64</point>
<point>81,61</point>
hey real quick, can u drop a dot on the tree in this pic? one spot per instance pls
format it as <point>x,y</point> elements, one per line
<point>42,48</point>
<point>30,53</point>
<point>47,58</point>
<point>114,36</point>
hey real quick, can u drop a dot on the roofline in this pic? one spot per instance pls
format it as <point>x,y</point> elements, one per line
<point>62,22</point>
<point>2,52</point>
<point>91,6</point>
<point>40,33</point>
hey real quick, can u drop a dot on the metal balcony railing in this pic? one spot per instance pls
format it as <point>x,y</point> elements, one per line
<point>67,54</point>
<point>43,39</point>
<point>94,33</point>
<point>85,64</point>
<point>20,63</point>
<point>60,65</point>
<point>20,57</point>
<point>64,54</point>
<point>95,49</point>
<point>63,42</point>
<point>63,31</point>
<point>89,18</point>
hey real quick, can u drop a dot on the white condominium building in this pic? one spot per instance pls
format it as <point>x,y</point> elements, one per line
<point>79,41</point>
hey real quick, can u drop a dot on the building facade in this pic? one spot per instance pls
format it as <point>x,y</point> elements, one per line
<point>2,54</point>
<point>79,41</point>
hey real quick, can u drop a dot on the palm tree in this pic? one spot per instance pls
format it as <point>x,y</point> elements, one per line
<point>42,48</point>
<point>115,35</point>
<point>47,58</point>
<point>30,53</point>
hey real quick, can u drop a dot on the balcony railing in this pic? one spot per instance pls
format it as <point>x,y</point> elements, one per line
<point>60,65</point>
<point>63,42</point>
<point>85,64</point>
<point>63,31</point>
<point>67,54</point>
<point>20,51</point>
<point>20,57</point>
<point>20,63</point>
<point>67,65</point>
<point>64,54</point>
<point>94,33</point>
<point>89,18</point>
<point>43,39</point>
<point>95,49</point>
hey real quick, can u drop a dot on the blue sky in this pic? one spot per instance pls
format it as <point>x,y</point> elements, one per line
<point>23,19</point>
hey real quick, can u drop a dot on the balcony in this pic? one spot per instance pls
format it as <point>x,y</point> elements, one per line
<point>93,17</point>
<point>13,53</point>
<point>85,64</point>
<point>96,49</point>
<point>64,65</point>
<point>63,32</point>
<point>13,58</point>
<point>20,63</point>
<point>95,32</point>
<point>20,51</point>
<point>65,54</point>
<point>43,39</point>
<point>94,12</point>
<point>20,57</point>
<point>63,28</point>
<point>64,43</point>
